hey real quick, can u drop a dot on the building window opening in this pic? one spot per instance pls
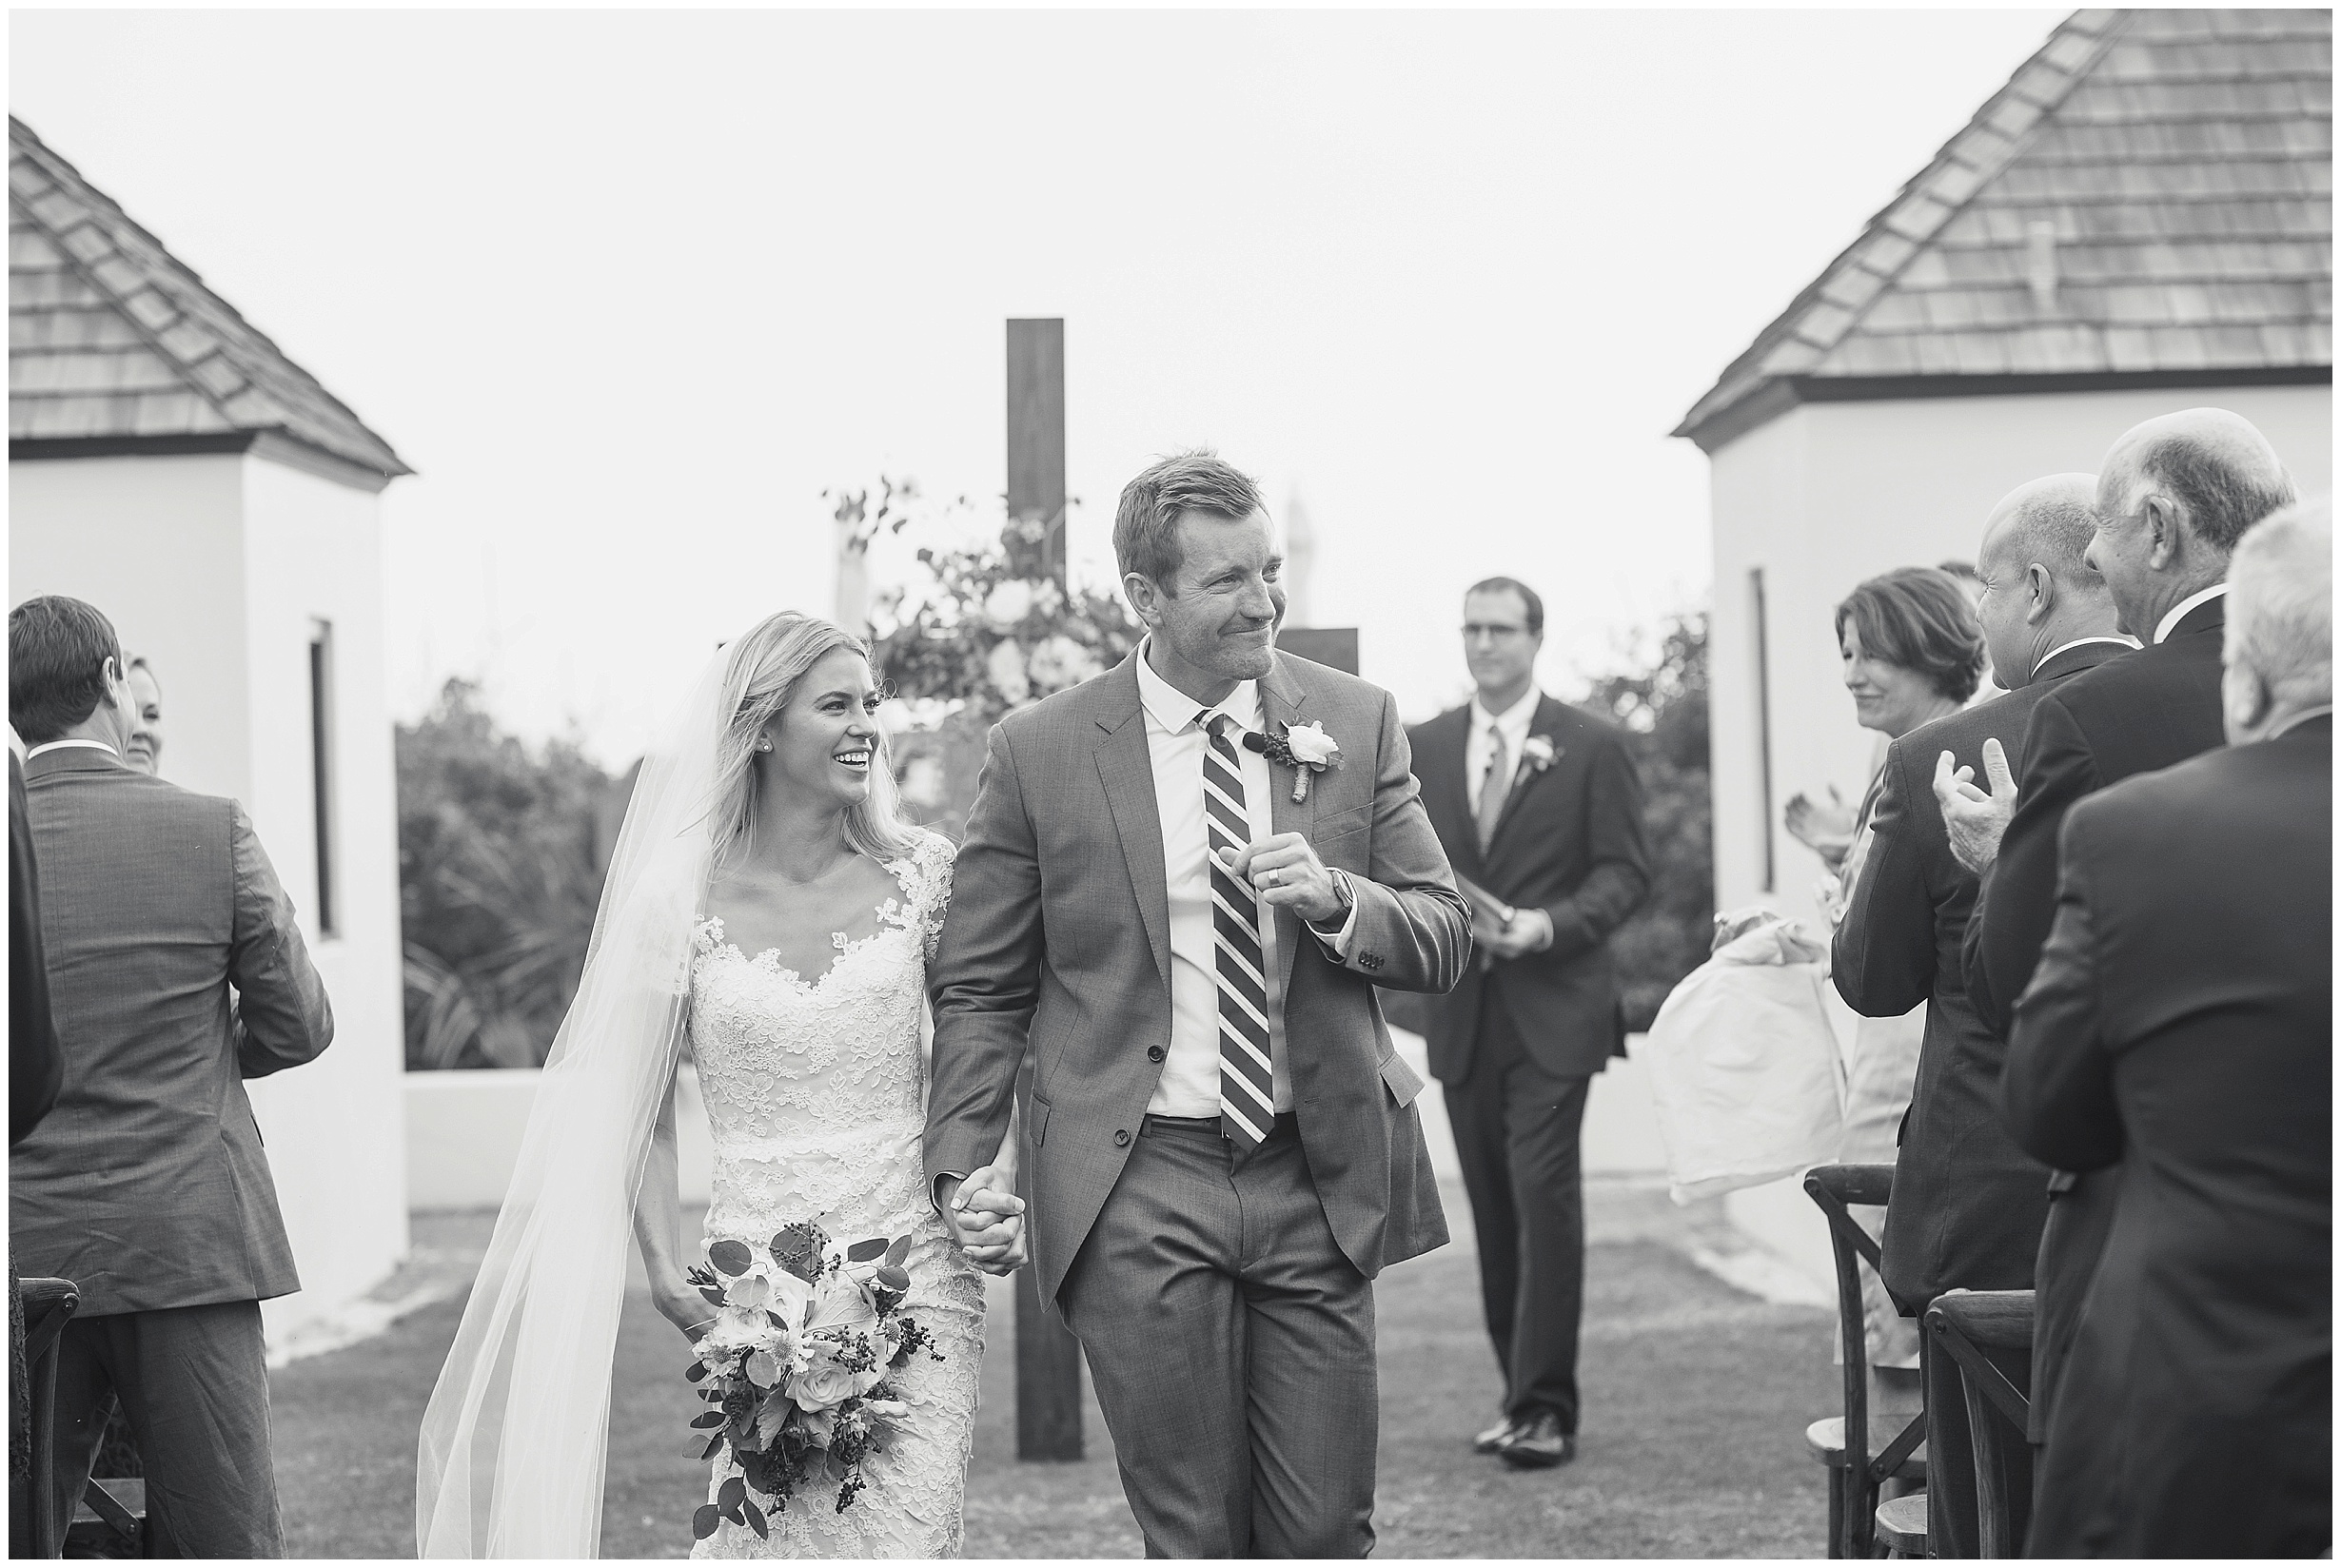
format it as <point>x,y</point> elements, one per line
<point>321,766</point>
<point>1764,722</point>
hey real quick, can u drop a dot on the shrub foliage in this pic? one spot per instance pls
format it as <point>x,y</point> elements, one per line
<point>499,876</point>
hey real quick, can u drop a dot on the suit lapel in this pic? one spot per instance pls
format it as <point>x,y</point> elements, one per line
<point>1127,770</point>
<point>1284,703</point>
<point>1440,766</point>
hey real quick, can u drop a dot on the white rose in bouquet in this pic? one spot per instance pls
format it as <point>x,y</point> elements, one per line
<point>1059,661</point>
<point>1009,603</point>
<point>1005,665</point>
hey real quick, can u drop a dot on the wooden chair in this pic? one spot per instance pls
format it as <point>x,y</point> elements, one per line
<point>1862,1454</point>
<point>47,1306</point>
<point>1966,1324</point>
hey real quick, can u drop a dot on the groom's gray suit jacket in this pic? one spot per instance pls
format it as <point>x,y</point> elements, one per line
<point>1059,940</point>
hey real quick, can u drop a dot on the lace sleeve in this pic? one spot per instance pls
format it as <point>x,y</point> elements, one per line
<point>933,857</point>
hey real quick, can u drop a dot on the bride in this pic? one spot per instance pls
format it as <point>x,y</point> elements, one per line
<point>766,904</point>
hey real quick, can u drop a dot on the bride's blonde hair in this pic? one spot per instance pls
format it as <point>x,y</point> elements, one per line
<point>760,679</point>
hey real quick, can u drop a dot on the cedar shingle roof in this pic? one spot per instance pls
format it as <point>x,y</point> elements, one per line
<point>2151,195</point>
<point>111,341</point>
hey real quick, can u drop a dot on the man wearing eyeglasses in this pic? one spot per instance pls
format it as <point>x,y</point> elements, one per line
<point>1540,812</point>
<point>2174,497</point>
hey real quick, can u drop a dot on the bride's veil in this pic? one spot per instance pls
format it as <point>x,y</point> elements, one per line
<point>516,1436</point>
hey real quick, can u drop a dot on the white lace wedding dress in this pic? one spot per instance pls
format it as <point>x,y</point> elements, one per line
<point>817,1096</point>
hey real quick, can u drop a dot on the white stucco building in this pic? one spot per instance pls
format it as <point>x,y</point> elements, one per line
<point>2140,222</point>
<point>167,463</point>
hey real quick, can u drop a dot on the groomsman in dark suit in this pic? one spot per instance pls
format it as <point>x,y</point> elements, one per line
<point>1968,1204</point>
<point>1540,812</point>
<point>2174,496</point>
<point>2180,1022</point>
<point>147,1184</point>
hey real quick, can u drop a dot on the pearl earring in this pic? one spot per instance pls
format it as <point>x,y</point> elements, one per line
<point>764,745</point>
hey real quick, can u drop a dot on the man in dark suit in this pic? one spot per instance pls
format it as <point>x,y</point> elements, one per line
<point>2174,496</point>
<point>147,1184</point>
<point>2180,1023</point>
<point>1968,1204</point>
<point>1538,806</point>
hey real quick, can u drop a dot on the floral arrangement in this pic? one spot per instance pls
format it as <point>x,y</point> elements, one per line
<point>1539,754</point>
<point>995,629</point>
<point>797,1364</point>
<point>1304,748</point>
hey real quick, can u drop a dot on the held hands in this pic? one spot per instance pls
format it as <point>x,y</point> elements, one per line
<point>987,1218</point>
<point>1974,821</point>
<point>1285,872</point>
<point>1827,829</point>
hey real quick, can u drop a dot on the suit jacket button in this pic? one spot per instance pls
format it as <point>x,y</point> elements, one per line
<point>1121,1139</point>
<point>1153,1053</point>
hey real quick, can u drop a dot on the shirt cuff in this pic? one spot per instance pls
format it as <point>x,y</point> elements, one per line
<point>941,1176</point>
<point>1341,941</point>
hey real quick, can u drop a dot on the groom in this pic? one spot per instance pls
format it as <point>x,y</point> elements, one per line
<point>1222,1140</point>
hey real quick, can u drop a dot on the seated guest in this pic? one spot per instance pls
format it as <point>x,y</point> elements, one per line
<point>1911,653</point>
<point>146,1184</point>
<point>2180,1023</point>
<point>1968,1205</point>
<point>145,752</point>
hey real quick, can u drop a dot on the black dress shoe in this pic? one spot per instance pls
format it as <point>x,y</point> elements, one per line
<point>1492,1439</point>
<point>1538,1443</point>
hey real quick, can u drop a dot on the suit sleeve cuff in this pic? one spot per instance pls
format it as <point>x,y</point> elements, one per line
<point>1339,942</point>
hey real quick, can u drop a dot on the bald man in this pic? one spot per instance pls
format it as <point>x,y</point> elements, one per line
<point>1968,1205</point>
<point>2174,497</point>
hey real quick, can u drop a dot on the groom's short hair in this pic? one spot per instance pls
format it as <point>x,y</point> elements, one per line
<point>57,652</point>
<point>1145,526</point>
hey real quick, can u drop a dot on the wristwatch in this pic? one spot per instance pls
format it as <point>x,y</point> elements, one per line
<point>1331,924</point>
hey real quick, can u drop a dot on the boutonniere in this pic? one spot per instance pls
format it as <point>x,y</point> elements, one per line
<point>1304,748</point>
<point>1539,752</point>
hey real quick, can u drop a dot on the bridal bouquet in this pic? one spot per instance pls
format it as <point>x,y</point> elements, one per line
<point>795,1366</point>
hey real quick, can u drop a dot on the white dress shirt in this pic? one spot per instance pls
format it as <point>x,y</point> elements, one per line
<point>2118,640</point>
<point>61,745</point>
<point>2178,611</point>
<point>1480,749</point>
<point>1176,743</point>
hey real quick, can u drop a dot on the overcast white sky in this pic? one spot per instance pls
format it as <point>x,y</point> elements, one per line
<point>630,290</point>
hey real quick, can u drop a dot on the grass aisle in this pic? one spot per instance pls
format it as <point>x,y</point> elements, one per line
<point>1696,1400</point>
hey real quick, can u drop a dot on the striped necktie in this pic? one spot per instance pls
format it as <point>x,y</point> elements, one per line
<point>1246,1085</point>
<point>1494,788</point>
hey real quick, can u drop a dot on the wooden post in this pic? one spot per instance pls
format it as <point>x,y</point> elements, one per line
<point>1048,1357</point>
<point>1036,435</point>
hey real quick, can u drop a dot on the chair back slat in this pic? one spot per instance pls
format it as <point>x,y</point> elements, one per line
<point>1970,1321</point>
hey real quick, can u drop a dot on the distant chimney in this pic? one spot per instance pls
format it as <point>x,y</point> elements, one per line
<point>2040,265</point>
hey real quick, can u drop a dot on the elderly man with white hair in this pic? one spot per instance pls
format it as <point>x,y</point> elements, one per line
<point>2180,1024</point>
